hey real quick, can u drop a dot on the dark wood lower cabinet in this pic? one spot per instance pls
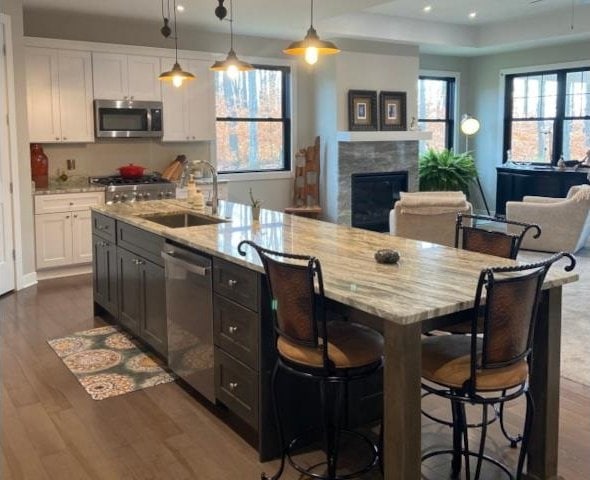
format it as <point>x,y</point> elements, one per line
<point>104,274</point>
<point>153,320</point>
<point>516,183</point>
<point>142,299</point>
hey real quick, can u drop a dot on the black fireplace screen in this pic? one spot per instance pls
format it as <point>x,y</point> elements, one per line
<point>373,196</point>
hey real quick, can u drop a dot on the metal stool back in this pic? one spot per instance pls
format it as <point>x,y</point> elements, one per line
<point>299,316</point>
<point>511,302</point>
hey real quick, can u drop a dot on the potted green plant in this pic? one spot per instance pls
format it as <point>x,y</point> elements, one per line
<point>444,170</point>
<point>255,204</point>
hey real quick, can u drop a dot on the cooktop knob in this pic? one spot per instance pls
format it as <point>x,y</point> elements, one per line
<point>116,197</point>
<point>160,194</point>
<point>138,196</point>
<point>168,194</point>
<point>146,196</point>
<point>124,197</point>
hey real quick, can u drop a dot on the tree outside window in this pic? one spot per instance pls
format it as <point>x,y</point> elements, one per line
<point>253,125</point>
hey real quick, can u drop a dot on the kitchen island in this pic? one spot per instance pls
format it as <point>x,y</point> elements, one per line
<point>429,283</point>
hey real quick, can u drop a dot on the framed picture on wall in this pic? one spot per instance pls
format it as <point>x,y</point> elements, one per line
<point>362,110</point>
<point>393,110</point>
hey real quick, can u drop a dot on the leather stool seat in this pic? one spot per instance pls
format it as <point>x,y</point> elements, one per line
<point>446,360</point>
<point>350,345</point>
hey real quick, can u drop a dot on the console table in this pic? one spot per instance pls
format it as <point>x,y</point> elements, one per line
<point>545,181</point>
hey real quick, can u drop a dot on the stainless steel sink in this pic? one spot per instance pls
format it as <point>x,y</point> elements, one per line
<point>181,219</point>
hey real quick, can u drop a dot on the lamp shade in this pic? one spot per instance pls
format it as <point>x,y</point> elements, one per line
<point>232,65</point>
<point>311,47</point>
<point>469,125</point>
<point>177,75</point>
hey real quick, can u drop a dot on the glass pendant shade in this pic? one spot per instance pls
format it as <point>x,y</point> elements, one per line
<point>177,75</point>
<point>311,47</point>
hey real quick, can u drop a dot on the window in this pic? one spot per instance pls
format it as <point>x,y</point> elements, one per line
<point>436,105</point>
<point>253,127</point>
<point>547,115</point>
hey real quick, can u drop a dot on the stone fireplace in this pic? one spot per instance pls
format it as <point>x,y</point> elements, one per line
<point>370,157</point>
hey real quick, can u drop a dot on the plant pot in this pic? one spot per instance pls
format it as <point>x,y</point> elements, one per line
<point>255,213</point>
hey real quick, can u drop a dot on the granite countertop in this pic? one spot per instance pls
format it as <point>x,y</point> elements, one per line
<point>71,185</point>
<point>429,280</point>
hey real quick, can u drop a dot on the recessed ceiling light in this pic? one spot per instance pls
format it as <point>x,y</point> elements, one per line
<point>427,8</point>
<point>473,15</point>
<point>180,8</point>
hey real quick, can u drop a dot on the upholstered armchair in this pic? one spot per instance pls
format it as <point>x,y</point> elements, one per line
<point>564,222</point>
<point>428,216</point>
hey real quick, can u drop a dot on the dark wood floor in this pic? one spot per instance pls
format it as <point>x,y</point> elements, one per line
<point>51,429</point>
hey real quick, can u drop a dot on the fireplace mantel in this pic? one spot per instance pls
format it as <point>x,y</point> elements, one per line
<point>383,136</point>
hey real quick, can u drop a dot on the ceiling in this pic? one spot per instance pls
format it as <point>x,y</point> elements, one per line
<point>500,25</point>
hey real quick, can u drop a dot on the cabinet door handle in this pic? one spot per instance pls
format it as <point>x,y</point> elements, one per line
<point>71,203</point>
<point>131,97</point>
<point>233,386</point>
<point>75,216</point>
<point>233,329</point>
<point>67,216</point>
<point>125,97</point>
<point>232,283</point>
<point>64,138</point>
<point>193,137</point>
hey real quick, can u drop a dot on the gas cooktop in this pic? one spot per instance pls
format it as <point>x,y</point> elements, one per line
<point>128,190</point>
<point>118,180</point>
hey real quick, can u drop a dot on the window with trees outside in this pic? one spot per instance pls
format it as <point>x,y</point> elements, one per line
<point>253,128</point>
<point>436,105</point>
<point>547,116</point>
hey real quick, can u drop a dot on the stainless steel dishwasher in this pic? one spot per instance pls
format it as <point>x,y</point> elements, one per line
<point>189,309</point>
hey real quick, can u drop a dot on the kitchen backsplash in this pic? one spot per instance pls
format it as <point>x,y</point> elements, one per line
<point>105,156</point>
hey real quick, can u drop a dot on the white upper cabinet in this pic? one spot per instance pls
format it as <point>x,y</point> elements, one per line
<point>126,77</point>
<point>109,72</point>
<point>189,111</point>
<point>59,95</point>
<point>143,77</point>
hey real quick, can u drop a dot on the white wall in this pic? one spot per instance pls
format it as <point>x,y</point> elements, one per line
<point>25,250</point>
<point>366,71</point>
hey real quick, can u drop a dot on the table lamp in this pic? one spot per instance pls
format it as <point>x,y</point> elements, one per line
<point>470,126</point>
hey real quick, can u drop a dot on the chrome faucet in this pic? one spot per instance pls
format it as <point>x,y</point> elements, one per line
<point>215,199</point>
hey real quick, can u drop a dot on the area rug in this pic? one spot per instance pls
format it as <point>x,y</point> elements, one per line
<point>575,320</point>
<point>108,362</point>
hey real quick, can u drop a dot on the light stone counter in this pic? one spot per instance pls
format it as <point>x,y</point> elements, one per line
<point>429,281</point>
<point>77,184</point>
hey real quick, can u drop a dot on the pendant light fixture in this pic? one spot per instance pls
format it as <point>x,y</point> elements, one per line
<point>311,47</point>
<point>177,75</point>
<point>232,65</point>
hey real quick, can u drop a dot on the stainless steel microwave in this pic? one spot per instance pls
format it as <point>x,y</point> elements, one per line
<point>127,119</point>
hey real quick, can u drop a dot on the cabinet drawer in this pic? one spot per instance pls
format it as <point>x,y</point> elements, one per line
<point>235,329</point>
<point>136,240</point>
<point>67,202</point>
<point>236,386</point>
<point>103,226</point>
<point>235,282</point>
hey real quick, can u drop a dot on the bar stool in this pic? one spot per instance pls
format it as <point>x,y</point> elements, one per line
<point>491,242</point>
<point>308,346</point>
<point>494,367</point>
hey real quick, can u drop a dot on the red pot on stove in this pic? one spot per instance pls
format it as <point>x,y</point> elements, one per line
<point>131,171</point>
